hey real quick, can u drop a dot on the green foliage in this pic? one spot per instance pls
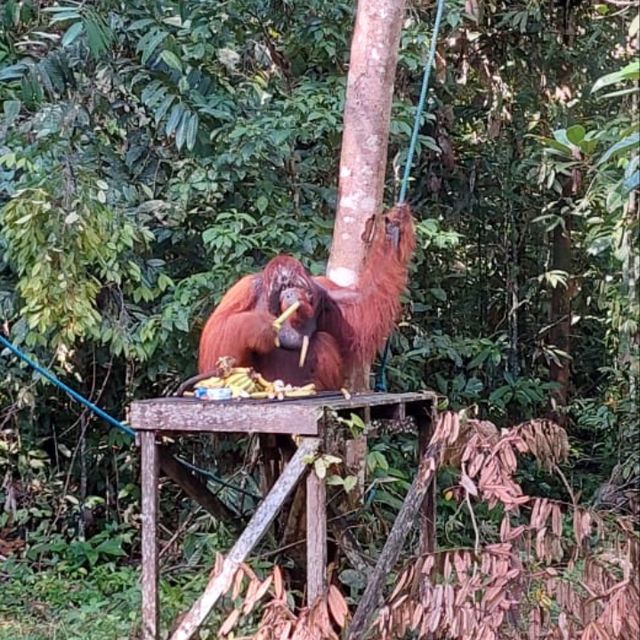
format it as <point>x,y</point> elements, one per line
<point>152,153</point>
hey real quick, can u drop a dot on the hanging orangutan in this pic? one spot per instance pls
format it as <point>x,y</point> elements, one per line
<point>333,326</point>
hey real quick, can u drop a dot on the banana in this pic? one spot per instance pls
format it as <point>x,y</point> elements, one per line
<point>211,383</point>
<point>280,320</point>
<point>237,379</point>
<point>237,392</point>
<point>245,382</point>
<point>261,381</point>
<point>300,393</point>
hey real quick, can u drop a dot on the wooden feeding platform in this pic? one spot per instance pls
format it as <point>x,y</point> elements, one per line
<point>312,418</point>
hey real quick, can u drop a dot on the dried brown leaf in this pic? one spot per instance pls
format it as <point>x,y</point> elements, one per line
<point>257,596</point>
<point>337,606</point>
<point>229,623</point>
<point>468,484</point>
<point>278,586</point>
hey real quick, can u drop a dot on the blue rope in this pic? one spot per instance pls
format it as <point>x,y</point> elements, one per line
<point>420,108</point>
<point>105,416</point>
<point>381,376</point>
<point>74,394</point>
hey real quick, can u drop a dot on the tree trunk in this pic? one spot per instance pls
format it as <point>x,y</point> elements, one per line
<point>372,68</point>
<point>559,336</point>
<point>363,160</point>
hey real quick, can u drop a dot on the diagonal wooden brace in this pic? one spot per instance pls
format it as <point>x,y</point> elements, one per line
<point>256,528</point>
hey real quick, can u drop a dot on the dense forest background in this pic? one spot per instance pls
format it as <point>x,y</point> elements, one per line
<point>153,152</point>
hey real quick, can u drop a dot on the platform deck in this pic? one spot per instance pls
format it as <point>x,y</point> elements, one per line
<point>296,416</point>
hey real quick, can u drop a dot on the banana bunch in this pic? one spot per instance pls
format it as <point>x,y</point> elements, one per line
<point>244,382</point>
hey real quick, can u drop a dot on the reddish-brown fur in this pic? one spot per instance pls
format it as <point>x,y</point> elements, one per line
<point>345,325</point>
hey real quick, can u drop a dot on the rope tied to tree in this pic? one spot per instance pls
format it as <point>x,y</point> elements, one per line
<point>404,185</point>
<point>381,377</point>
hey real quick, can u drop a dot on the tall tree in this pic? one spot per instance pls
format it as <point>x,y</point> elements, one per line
<point>367,113</point>
<point>363,159</point>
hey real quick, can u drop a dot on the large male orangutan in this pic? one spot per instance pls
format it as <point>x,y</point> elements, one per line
<point>333,327</point>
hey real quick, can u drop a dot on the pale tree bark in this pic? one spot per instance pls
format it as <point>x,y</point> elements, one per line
<point>372,69</point>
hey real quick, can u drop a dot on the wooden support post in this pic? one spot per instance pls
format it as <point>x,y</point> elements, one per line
<point>425,421</point>
<point>257,527</point>
<point>149,471</point>
<point>316,537</point>
<point>404,521</point>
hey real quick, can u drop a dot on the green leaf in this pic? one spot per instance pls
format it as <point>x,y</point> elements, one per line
<point>98,36</point>
<point>630,142</point>
<point>352,578</point>
<point>174,118</point>
<point>630,72</point>
<point>561,136</point>
<point>632,182</point>
<point>161,111</point>
<point>181,132</point>
<point>575,134</point>
<point>350,482</point>
<point>262,203</point>
<point>192,131</point>
<point>478,360</point>
<point>72,33</point>
<point>151,45</point>
<point>320,468</point>
<point>11,110</point>
<point>111,547</point>
<point>171,59</point>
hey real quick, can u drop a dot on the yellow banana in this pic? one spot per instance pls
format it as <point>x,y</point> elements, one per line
<point>261,381</point>
<point>237,379</point>
<point>280,320</point>
<point>211,383</point>
<point>299,393</point>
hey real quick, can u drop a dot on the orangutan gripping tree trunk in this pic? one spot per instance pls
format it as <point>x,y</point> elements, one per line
<point>367,114</point>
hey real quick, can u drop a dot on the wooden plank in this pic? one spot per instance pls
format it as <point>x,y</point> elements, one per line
<point>188,414</point>
<point>316,537</point>
<point>299,416</point>
<point>401,527</point>
<point>257,527</point>
<point>358,400</point>
<point>149,481</point>
<point>295,416</point>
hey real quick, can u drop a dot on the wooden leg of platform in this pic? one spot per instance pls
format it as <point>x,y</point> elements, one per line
<point>316,537</point>
<point>149,471</point>
<point>425,422</point>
